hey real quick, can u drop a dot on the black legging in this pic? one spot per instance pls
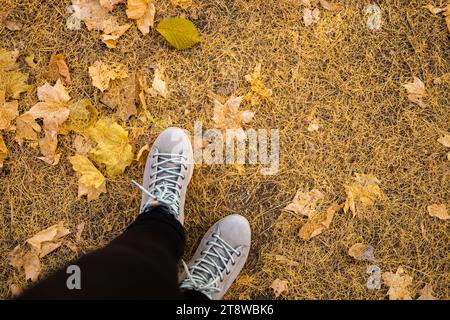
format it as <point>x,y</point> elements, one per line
<point>139,264</point>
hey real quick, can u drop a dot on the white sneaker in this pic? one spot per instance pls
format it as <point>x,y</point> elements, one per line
<point>219,258</point>
<point>168,171</point>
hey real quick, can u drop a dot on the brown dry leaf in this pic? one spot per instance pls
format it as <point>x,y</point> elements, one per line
<point>82,145</point>
<point>364,190</point>
<point>283,259</point>
<point>317,222</point>
<point>330,6</point>
<point>143,11</point>
<point>57,68</point>
<point>426,293</point>
<point>121,96</point>
<point>102,73</point>
<point>94,15</point>
<point>313,125</point>
<point>48,239</point>
<point>447,16</point>
<point>109,4</point>
<point>113,148</point>
<point>257,86</point>
<point>310,16</point>
<point>30,61</point>
<point>444,79</point>
<point>398,284</point>
<point>48,145</point>
<point>433,9</point>
<point>15,290</point>
<point>279,286</point>
<point>12,81</point>
<point>27,260</point>
<point>3,151</point>
<point>142,154</point>
<point>82,115</point>
<point>159,86</point>
<point>80,229</point>
<point>438,211</point>
<point>305,203</point>
<point>445,140</point>
<point>26,128</point>
<point>362,252</point>
<point>416,91</point>
<point>184,4</point>
<point>91,182</point>
<point>227,116</point>
<point>112,33</point>
<point>144,88</point>
<point>8,111</point>
<point>13,25</point>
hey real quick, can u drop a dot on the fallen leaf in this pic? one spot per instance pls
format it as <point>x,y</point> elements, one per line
<point>30,61</point>
<point>102,73</point>
<point>184,4</point>
<point>112,33</point>
<point>313,125</point>
<point>48,145</point>
<point>92,13</point>
<point>279,286</point>
<point>143,86</point>
<point>121,96</point>
<point>398,284</point>
<point>305,203</point>
<point>32,266</point>
<point>285,260</point>
<point>373,16</point>
<point>12,81</point>
<point>330,6</point>
<point>317,222</point>
<point>434,10</point>
<point>91,182</point>
<point>80,228</point>
<point>71,246</point>
<point>8,111</point>
<point>82,115</point>
<point>82,145</point>
<point>159,86</point>
<point>362,252</point>
<point>257,86</point>
<point>109,4</point>
<point>26,128</point>
<point>112,149</point>
<point>143,11</point>
<point>364,190</point>
<point>8,59</point>
<point>3,151</point>
<point>445,140</point>
<point>447,16</point>
<point>310,16</point>
<point>416,91</point>
<point>48,239</point>
<point>15,290</point>
<point>444,79</point>
<point>142,154</point>
<point>57,68</point>
<point>13,25</point>
<point>426,293</point>
<point>438,211</point>
<point>227,116</point>
<point>179,32</point>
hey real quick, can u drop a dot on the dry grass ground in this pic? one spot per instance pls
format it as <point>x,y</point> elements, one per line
<point>351,76</point>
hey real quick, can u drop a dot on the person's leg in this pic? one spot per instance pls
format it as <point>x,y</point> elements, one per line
<point>139,264</point>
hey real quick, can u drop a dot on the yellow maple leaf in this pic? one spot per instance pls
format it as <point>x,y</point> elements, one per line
<point>8,111</point>
<point>3,151</point>
<point>91,182</point>
<point>305,203</point>
<point>317,222</point>
<point>364,190</point>
<point>82,115</point>
<point>398,284</point>
<point>102,73</point>
<point>257,86</point>
<point>416,91</point>
<point>112,149</point>
<point>143,11</point>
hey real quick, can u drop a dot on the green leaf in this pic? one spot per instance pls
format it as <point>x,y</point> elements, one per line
<point>179,32</point>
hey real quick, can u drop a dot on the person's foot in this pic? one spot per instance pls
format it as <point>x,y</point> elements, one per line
<point>219,258</point>
<point>167,172</point>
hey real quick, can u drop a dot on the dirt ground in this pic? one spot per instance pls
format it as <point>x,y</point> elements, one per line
<point>349,75</point>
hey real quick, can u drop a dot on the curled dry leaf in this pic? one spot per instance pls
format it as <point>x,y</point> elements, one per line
<point>317,222</point>
<point>3,151</point>
<point>305,203</point>
<point>416,91</point>
<point>48,239</point>
<point>279,286</point>
<point>80,229</point>
<point>8,111</point>
<point>438,211</point>
<point>362,252</point>
<point>426,293</point>
<point>58,69</point>
<point>142,154</point>
<point>102,73</point>
<point>398,284</point>
<point>433,9</point>
<point>121,96</point>
<point>283,259</point>
<point>143,11</point>
<point>159,86</point>
<point>184,4</point>
<point>112,146</point>
<point>112,33</point>
<point>15,290</point>
<point>91,182</point>
<point>310,16</point>
<point>257,86</point>
<point>143,89</point>
<point>364,190</point>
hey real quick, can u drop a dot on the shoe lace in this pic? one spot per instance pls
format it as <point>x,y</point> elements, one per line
<point>165,187</point>
<point>208,271</point>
